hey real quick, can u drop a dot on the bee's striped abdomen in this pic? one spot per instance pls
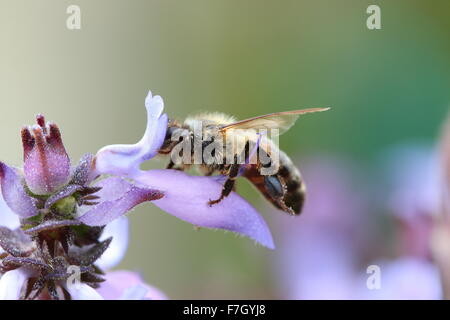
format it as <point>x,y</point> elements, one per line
<point>294,196</point>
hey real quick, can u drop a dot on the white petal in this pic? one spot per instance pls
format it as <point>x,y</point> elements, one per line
<point>7,218</point>
<point>137,292</point>
<point>118,229</point>
<point>82,291</point>
<point>125,159</point>
<point>11,283</point>
<point>154,293</point>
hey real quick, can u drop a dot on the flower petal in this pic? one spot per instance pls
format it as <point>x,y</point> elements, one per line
<point>11,283</point>
<point>127,285</point>
<point>7,217</point>
<point>16,242</point>
<point>14,193</point>
<point>82,174</point>
<point>82,291</point>
<point>118,230</point>
<point>186,197</point>
<point>125,159</point>
<point>137,292</point>
<point>117,197</point>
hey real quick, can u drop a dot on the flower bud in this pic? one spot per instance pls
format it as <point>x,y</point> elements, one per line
<point>46,163</point>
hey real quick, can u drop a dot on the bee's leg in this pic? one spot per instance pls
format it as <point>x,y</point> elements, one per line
<point>228,185</point>
<point>172,165</point>
<point>276,189</point>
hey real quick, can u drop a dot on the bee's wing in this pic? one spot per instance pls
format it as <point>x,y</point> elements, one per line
<point>282,121</point>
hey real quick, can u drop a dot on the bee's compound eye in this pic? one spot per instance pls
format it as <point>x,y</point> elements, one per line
<point>273,186</point>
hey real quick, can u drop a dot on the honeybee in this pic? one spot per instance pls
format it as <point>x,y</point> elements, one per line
<point>228,142</point>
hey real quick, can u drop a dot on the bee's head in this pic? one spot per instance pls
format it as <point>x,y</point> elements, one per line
<point>174,134</point>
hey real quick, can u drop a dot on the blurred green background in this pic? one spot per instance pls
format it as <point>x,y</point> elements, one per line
<point>240,57</point>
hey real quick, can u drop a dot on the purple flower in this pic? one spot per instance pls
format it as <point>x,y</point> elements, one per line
<point>318,255</point>
<point>117,285</point>
<point>56,219</point>
<point>326,254</point>
<point>53,219</point>
<point>47,184</point>
<point>185,196</point>
<point>411,171</point>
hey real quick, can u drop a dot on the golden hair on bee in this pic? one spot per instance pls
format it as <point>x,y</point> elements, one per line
<point>217,118</point>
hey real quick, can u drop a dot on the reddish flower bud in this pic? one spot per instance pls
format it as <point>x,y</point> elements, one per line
<point>46,164</point>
